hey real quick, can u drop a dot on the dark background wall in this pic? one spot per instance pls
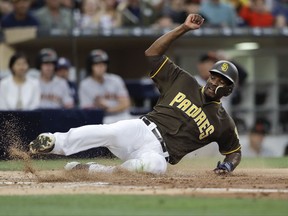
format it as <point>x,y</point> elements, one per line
<point>19,128</point>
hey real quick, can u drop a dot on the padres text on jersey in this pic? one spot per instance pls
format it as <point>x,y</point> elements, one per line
<point>190,109</point>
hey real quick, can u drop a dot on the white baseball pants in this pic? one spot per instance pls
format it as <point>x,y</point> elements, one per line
<point>130,140</point>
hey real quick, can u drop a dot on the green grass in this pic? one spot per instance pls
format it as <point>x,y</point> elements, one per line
<point>210,163</point>
<point>83,205</point>
<point>281,162</point>
<point>17,165</point>
<point>201,162</point>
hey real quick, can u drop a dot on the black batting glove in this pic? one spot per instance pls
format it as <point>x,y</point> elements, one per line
<point>223,168</point>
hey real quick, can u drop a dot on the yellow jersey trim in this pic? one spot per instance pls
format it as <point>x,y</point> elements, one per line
<point>160,67</point>
<point>232,151</point>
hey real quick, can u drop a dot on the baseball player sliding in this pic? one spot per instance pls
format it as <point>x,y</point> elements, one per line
<point>185,118</point>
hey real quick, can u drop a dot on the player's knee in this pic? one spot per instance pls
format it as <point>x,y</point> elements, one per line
<point>150,163</point>
<point>156,165</point>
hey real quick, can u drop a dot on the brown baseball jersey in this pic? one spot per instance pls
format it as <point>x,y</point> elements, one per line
<point>186,121</point>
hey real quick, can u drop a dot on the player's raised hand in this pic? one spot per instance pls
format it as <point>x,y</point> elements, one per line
<point>193,21</point>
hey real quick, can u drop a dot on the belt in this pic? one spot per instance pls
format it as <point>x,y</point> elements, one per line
<point>157,134</point>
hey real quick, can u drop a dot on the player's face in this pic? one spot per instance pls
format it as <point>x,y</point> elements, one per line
<point>98,70</point>
<point>63,73</point>
<point>213,82</point>
<point>47,70</point>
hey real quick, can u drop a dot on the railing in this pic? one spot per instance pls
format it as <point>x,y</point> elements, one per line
<point>152,31</point>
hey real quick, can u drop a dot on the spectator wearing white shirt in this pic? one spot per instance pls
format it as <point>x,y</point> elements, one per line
<point>18,91</point>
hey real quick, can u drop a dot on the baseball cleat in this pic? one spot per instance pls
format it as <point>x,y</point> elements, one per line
<point>44,143</point>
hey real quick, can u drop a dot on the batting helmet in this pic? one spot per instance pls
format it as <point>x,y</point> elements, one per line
<point>230,72</point>
<point>46,55</point>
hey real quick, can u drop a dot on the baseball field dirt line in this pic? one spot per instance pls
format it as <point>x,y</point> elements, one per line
<point>76,188</point>
<point>270,183</point>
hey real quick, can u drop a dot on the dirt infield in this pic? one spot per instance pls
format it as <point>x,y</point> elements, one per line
<point>181,179</point>
<point>270,183</point>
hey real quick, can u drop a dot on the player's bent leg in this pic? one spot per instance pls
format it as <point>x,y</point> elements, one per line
<point>151,162</point>
<point>82,138</point>
<point>77,139</point>
<point>116,137</point>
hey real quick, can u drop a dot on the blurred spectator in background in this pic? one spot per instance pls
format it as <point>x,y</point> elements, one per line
<point>103,90</point>
<point>257,14</point>
<point>255,148</point>
<point>205,63</point>
<point>54,16</point>
<point>68,4</point>
<point>173,13</point>
<point>285,154</point>
<point>62,70</point>
<point>280,12</point>
<point>18,91</point>
<point>238,4</point>
<point>20,16</point>
<point>55,92</point>
<point>5,8</point>
<point>176,10</point>
<point>108,17</point>
<point>218,13</point>
<point>193,7</point>
<point>36,4</point>
<point>89,10</point>
<point>137,13</point>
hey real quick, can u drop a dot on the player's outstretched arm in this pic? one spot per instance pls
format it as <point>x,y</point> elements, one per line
<point>159,47</point>
<point>230,162</point>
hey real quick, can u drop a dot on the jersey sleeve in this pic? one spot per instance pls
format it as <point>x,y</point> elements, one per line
<point>163,72</point>
<point>229,141</point>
